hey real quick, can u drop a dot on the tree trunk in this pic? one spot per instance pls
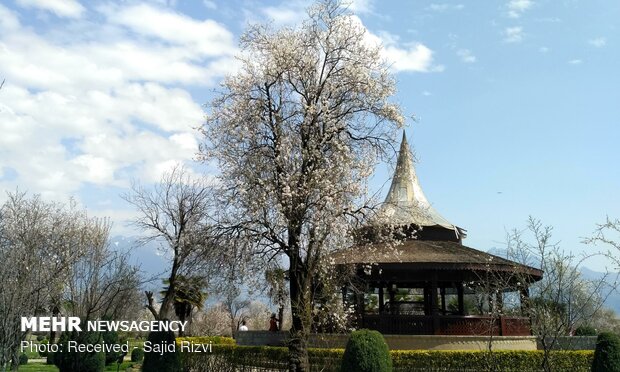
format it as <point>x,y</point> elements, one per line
<point>300,314</point>
<point>52,336</point>
<point>233,325</point>
<point>280,316</point>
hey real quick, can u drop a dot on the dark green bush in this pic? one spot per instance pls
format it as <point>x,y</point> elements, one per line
<point>366,351</point>
<point>50,359</point>
<point>607,353</point>
<point>137,355</point>
<point>43,353</point>
<point>23,359</point>
<point>40,338</point>
<point>111,338</point>
<point>585,330</point>
<point>70,361</point>
<point>161,362</point>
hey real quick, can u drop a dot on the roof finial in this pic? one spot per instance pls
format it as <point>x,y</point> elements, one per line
<point>405,202</point>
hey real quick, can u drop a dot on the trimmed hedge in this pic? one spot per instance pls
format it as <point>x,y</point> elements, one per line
<point>229,357</point>
<point>366,351</point>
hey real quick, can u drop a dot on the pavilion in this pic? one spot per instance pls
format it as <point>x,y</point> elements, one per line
<point>422,280</point>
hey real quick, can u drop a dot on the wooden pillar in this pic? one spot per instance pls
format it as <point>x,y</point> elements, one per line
<point>461,298</point>
<point>427,300</point>
<point>392,294</point>
<point>442,290</point>
<point>381,305</point>
<point>434,306</point>
<point>359,303</point>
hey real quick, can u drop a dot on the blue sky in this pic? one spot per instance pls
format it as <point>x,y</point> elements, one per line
<point>517,100</point>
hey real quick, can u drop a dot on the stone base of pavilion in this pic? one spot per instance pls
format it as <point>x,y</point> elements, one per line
<point>396,342</point>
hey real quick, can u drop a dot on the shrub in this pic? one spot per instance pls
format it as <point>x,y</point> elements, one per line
<point>226,357</point>
<point>23,359</point>
<point>155,361</point>
<point>43,353</point>
<point>50,359</point>
<point>137,355</point>
<point>40,338</point>
<point>366,351</point>
<point>607,353</point>
<point>585,330</point>
<point>111,338</point>
<point>70,361</point>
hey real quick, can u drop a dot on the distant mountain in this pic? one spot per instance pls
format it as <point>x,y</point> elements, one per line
<point>612,301</point>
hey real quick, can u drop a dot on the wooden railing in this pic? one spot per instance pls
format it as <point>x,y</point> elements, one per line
<point>447,325</point>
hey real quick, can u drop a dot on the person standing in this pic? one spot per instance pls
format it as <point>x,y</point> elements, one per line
<point>273,323</point>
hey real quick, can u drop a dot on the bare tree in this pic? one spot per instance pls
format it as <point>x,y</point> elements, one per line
<point>297,132</point>
<point>563,299</point>
<point>607,234</point>
<point>174,212</point>
<point>102,283</point>
<point>39,244</point>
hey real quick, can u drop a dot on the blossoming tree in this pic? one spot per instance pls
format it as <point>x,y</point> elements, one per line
<point>297,132</point>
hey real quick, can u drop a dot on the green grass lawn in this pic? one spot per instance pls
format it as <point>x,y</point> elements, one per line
<point>38,367</point>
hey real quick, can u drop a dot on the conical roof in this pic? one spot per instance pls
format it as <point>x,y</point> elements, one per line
<point>406,203</point>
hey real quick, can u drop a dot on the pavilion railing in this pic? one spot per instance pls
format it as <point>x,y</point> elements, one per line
<point>469,325</point>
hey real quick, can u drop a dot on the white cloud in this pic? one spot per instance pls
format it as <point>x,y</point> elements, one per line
<point>284,15</point>
<point>402,57</point>
<point>513,34</point>
<point>8,20</point>
<point>442,7</point>
<point>361,6</point>
<point>543,49</point>
<point>106,106</point>
<point>466,55</point>
<point>206,37</point>
<point>575,61</point>
<point>517,7</point>
<point>209,4</point>
<point>416,57</point>
<point>62,8</point>
<point>598,42</point>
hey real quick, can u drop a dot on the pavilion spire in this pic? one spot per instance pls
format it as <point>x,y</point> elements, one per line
<point>406,203</point>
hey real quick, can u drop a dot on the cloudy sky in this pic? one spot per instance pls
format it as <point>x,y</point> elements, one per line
<point>517,101</point>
